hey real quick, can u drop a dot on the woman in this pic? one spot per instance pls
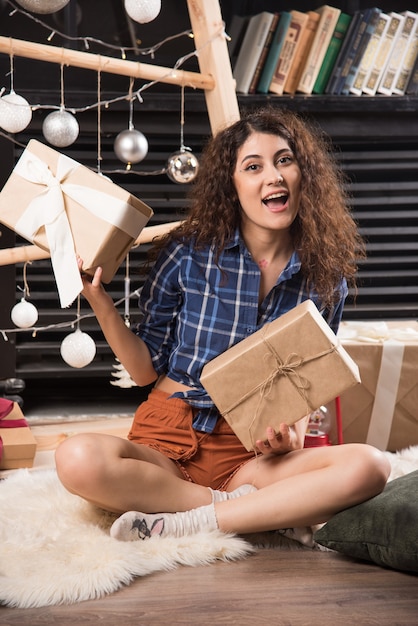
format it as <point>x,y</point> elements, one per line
<point>268,228</point>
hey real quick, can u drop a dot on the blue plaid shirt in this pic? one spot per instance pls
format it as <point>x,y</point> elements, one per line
<point>193,311</point>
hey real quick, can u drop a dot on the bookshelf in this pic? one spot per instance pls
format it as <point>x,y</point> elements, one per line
<point>342,48</point>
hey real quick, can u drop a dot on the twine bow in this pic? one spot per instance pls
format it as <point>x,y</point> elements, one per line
<point>290,368</point>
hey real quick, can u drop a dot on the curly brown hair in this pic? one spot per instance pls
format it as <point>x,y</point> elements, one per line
<point>324,232</point>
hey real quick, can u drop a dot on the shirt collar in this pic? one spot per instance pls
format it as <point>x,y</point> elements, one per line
<point>235,241</point>
<point>293,266</point>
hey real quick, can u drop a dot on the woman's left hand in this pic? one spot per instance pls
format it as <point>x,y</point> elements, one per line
<point>285,440</point>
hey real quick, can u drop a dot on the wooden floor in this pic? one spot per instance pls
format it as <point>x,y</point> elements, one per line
<point>303,588</point>
<point>273,586</point>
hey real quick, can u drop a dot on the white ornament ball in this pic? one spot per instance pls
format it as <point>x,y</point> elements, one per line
<point>143,11</point>
<point>15,113</point>
<point>130,146</point>
<point>78,349</point>
<point>24,314</point>
<point>60,128</point>
<point>42,6</point>
<point>182,166</point>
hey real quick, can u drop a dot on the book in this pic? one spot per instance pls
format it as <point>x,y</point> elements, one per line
<point>406,67</point>
<point>274,52</point>
<point>263,55</point>
<point>236,34</point>
<point>366,29</point>
<point>290,44</point>
<point>412,86</point>
<point>327,22</point>
<point>397,55</point>
<point>371,83</point>
<point>347,42</point>
<point>306,38</point>
<point>370,54</point>
<point>332,53</point>
<point>251,49</point>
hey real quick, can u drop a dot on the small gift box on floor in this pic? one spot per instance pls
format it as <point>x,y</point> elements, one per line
<point>67,209</point>
<point>282,372</point>
<point>383,410</point>
<point>17,444</point>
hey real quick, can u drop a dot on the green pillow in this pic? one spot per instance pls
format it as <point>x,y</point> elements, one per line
<point>383,530</point>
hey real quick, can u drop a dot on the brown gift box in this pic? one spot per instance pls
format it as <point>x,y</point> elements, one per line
<point>19,444</point>
<point>383,410</point>
<point>104,219</point>
<point>281,373</point>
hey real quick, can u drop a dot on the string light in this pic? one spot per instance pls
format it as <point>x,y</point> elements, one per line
<point>159,172</point>
<point>64,324</point>
<point>106,104</point>
<point>138,94</point>
<point>150,51</point>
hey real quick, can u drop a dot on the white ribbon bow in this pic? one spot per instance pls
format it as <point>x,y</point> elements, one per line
<point>47,209</point>
<point>375,332</point>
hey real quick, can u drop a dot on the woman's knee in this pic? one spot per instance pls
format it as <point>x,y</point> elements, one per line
<point>371,469</point>
<point>78,459</point>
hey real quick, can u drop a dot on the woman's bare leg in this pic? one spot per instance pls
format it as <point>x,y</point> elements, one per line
<point>119,475</point>
<point>301,488</point>
<point>304,487</point>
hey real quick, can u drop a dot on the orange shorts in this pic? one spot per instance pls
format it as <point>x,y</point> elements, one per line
<point>209,459</point>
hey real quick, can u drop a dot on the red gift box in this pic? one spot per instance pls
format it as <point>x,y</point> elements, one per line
<point>17,443</point>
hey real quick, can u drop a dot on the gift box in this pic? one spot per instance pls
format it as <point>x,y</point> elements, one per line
<point>382,410</point>
<point>282,372</point>
<point>67,209</point>
<point>17,444</point>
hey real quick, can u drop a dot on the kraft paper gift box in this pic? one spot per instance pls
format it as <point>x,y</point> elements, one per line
<point>282,372</point>
<point>67,209</point>
<point>383,409</point>
<point>18,444</point>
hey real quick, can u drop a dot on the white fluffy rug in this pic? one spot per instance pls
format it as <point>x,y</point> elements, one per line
<point>56,549</point>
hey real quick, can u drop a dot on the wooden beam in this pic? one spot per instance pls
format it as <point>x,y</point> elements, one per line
<point>21,254</point>
<point>111,65</point>
<point>207,25</point>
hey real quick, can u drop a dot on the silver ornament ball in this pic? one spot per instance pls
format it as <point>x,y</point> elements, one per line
<point>143,11</point>
<point>182,166</point>
<point>78,349</point>
<point>130,146</point>
<point>42,6</point>
<point>15,113</point>
<point>60,129</point>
